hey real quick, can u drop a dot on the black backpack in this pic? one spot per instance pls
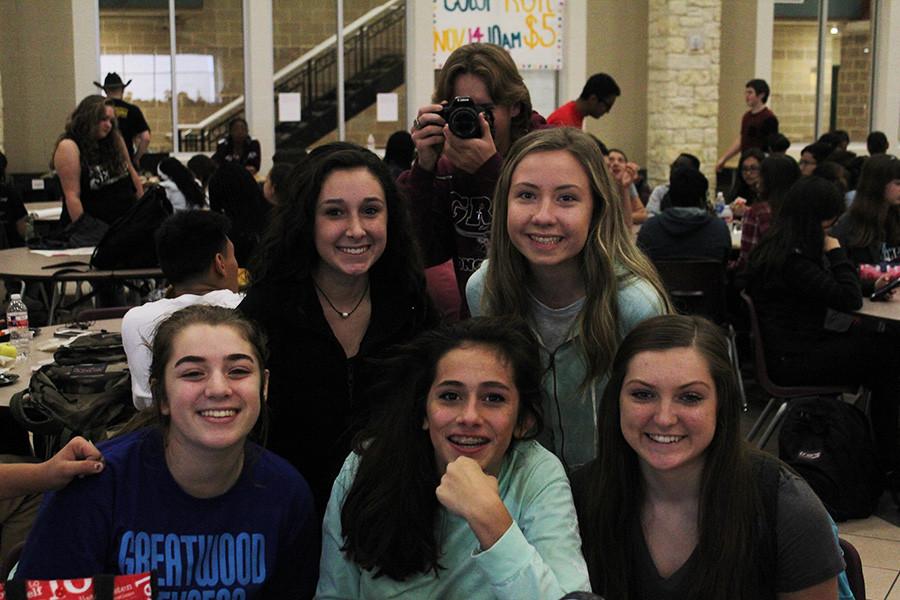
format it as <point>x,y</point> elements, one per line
<point>828,442</point>
<point>129,242</point>
<point>87,397</point>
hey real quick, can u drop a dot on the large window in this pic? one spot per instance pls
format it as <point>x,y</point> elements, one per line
<point>822,65</point>
<point>209,65</point>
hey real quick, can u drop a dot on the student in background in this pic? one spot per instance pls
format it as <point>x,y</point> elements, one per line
<point>625,174</point>
<point>797,273</point>
<point>686,229</point>
<point>198,260</point>
<point>597,98</point>
<point>877,143</point>
<point>870,230</point>
<point>182,189</point>
<point>745,189</point>
<point>238,147</point>
<point>776,176</point>
<point>94,169</point>
<point>757,125</point>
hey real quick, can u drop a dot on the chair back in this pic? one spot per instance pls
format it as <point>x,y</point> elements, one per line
<point>854,569</point>
<point>696,286</point>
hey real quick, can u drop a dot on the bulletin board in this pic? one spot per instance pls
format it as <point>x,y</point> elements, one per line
<point>530,30</point>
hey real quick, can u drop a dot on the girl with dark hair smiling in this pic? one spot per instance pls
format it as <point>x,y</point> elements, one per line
<point>677,505</point>
<point>190,497</point>
<point>337,279</point>
<point>446,495</point>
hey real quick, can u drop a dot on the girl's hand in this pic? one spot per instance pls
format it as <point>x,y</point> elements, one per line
<point>469,492</point>
<point>77,458</point>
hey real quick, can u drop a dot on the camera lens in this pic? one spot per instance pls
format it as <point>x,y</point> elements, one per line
<point>464,122</point>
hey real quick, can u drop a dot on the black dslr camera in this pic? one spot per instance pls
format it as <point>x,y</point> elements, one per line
<point>461,116</point>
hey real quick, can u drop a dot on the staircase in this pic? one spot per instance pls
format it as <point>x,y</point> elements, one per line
<point>374,58</point>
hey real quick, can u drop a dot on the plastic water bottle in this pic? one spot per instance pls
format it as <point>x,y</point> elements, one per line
<point>17,324</point>
<point>370,143</point>
<point>722,209</point>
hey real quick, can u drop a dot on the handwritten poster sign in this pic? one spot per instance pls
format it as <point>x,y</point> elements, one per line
<point>531,30</point>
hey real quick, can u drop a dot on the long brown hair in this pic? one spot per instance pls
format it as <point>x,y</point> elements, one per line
<point>872,219</point>
<point>609,259</point>
<point>81,128</point>
<point>609,515</point>
<point>498,72</point>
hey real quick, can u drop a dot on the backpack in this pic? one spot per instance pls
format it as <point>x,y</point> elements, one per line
<point>87,396</point>
<point>129,242</point>
<point>102,347</point>
<point>828,443</point>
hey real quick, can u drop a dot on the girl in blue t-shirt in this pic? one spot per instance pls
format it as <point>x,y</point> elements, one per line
<point>209,512</point>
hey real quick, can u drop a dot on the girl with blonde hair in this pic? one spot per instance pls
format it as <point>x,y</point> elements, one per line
<point>563,258</point>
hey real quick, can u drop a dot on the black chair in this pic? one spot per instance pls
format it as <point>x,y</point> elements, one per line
<point>778,394</point>
<point>854,569</point>
<point>697,287</point>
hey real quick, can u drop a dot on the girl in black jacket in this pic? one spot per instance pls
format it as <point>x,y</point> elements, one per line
<point>798,273</point>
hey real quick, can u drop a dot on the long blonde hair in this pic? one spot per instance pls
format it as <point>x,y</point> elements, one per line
<point>609,259</point>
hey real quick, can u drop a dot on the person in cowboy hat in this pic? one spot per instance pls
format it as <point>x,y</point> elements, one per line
<point>131,120</point>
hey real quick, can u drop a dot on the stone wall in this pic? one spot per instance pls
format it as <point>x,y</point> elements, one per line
<point>683,88</point>
<point>855,80</point>
<point>217,29</point>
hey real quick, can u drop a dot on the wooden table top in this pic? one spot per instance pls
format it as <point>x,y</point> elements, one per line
<point>22,263</point>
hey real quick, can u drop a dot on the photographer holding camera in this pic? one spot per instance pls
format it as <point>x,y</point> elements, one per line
<point>480,107</point>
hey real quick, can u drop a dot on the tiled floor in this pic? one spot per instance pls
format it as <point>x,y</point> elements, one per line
<point>878,542</point>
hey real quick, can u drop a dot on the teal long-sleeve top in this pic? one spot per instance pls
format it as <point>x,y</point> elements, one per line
<point>538,557</point>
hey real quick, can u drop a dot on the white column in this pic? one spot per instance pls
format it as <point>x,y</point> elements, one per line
<point>259,95</point>
<point>886,96</point>
<point>574,71</point>
<point>419,57</point>
<point>86,47</point>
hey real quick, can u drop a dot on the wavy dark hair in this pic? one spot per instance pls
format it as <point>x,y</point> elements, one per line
<point>798,226</point>
<point>184,180</point>
<point>872,219</point>
<point>81,128</point>
<point>390,515</point>
<point>777,173</point>
<point>729,505</point>
<point>161,352</point>
<point>288,253</point>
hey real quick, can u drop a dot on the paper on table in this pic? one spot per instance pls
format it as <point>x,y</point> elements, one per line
<point>84,251</point>
<point>47,214</point>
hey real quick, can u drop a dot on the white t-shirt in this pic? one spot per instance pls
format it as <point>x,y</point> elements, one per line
<point>139,327</point>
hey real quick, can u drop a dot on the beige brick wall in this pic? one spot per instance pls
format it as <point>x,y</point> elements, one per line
<point>794,45</point>
<point>683,84</point>
<point>854,83</point>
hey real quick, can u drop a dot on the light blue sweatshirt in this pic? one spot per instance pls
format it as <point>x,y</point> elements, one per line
<point>570,413</point>
<point>538,557</point>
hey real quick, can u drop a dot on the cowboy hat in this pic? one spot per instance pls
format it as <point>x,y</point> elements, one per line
<point>112,81</point>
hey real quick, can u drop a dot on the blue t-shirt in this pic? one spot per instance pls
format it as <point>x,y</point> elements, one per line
<point>259,539</point>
